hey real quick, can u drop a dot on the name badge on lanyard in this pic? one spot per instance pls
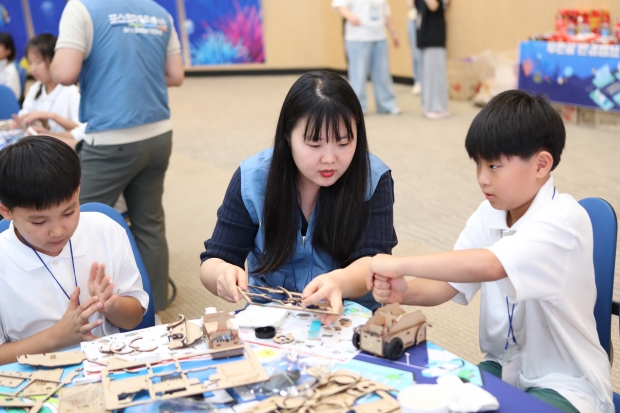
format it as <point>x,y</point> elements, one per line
<point>512,351</point>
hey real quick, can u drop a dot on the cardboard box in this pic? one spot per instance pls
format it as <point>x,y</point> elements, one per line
<point>586,117</point>
<point>609,121</point>
<point>463,81</point>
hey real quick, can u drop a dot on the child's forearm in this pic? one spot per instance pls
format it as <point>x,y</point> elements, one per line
<point>428,293</point>
<point>352,279</point>
<point>474,265</point>
<point>66,123</point>
<point>126,312</point>
<point>44,342</point>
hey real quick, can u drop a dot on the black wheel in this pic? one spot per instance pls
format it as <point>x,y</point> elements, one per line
<point>394,349</point>
<point>356,340</point>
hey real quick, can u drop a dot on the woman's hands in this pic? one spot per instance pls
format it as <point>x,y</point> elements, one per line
<point>230,277</point>
<point>324,288</point>
<point>222,279</point>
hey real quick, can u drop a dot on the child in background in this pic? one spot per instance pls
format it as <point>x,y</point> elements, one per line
<point>49,108</point>
<point>9,76</point>
<point>529,250</point>
<point>65,277</point>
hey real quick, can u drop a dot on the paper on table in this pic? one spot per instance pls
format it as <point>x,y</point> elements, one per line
<point>334,342</point>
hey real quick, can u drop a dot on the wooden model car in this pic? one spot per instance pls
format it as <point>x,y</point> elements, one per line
<point>219,333</point>
<point>390,330</point>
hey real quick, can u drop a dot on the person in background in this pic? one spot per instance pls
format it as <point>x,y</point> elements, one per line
<point>416,54</point>
<point>9,76</point>
<point>49,108</point>
<point>431,34</point>
<point>307,214</point>
<point>124,69</point>
<point>367,50</point>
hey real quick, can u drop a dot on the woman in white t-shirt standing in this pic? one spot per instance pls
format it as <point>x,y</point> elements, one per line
<point>367,50</point>
<point>9,76</point>
<point>49,108</point>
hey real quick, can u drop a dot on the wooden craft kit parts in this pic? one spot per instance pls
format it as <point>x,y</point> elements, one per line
<point>284,338</point>
<point>182,333</point>
<point>220,334</point>
<point>66,358</point>
<point>42,383</point>
<point>390,330</point>
<point>290,300</point>
<point>161,386</point>
<point>335,393</point>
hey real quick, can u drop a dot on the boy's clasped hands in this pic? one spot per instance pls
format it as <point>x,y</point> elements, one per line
<point>383,279</point>
<point>74,327</point>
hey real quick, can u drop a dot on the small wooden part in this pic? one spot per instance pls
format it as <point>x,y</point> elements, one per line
<point>82,399</point>
<point>121,348</point>
<point>39,402</point>
<point>16,402</point>
<point>291,301</point>
<point>345,322</point>
<point>66,358</point>
<point>153,347</point>
<point>284,339</point>
<point>182,333</point>
<point>119,394</point>
<point>10,382</point>
<point>336,393</point>
<point>41,381</point>
<point>218,331</point>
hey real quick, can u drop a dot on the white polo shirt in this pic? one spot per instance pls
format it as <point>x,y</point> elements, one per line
<point>371,13</point>
<point>63,101</point>
<point>547,255</point>
<point>30,299</point>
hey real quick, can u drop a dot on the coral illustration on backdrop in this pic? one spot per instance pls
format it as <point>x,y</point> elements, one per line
<point>227,32</point>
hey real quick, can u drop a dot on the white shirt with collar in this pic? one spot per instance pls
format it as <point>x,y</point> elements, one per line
<point>547,255</point>
<point>30,299</point>
<point>63,101</point>
<point>9,76</point>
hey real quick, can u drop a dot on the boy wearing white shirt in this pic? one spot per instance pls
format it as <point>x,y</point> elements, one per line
<point>529,250</point>
<point>72,277</point>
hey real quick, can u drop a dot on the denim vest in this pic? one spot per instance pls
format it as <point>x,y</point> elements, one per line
<point>123,80</point>
<point>306,263</point>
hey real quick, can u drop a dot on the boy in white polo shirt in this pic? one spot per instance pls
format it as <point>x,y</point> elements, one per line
<point>65,277</point>
<point>528,248</point>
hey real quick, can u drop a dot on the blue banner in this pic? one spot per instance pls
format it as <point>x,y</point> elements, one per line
<point>46,15</point>
<point>12,21</point>
<point>224,31</point>
<point>586,75</point>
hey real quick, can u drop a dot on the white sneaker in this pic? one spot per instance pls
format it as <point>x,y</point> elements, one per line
<point>417,88</point>
<point>396,111</point>
<point>436,115</point>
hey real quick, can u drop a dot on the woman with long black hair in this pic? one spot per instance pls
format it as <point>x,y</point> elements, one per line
<point>308,213</point>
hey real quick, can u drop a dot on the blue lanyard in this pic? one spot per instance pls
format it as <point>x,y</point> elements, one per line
<point>48,270</point>
<point>510,329</point>
<point>511,312</point>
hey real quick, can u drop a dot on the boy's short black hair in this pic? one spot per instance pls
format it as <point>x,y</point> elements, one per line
<point>38,172</point>
<point>515,123</point>
<point>7,41</point>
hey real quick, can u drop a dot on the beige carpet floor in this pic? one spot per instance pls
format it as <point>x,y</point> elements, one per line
<point>219,121</point>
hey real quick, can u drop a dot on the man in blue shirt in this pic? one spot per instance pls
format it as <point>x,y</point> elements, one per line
<point>125,53</point>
